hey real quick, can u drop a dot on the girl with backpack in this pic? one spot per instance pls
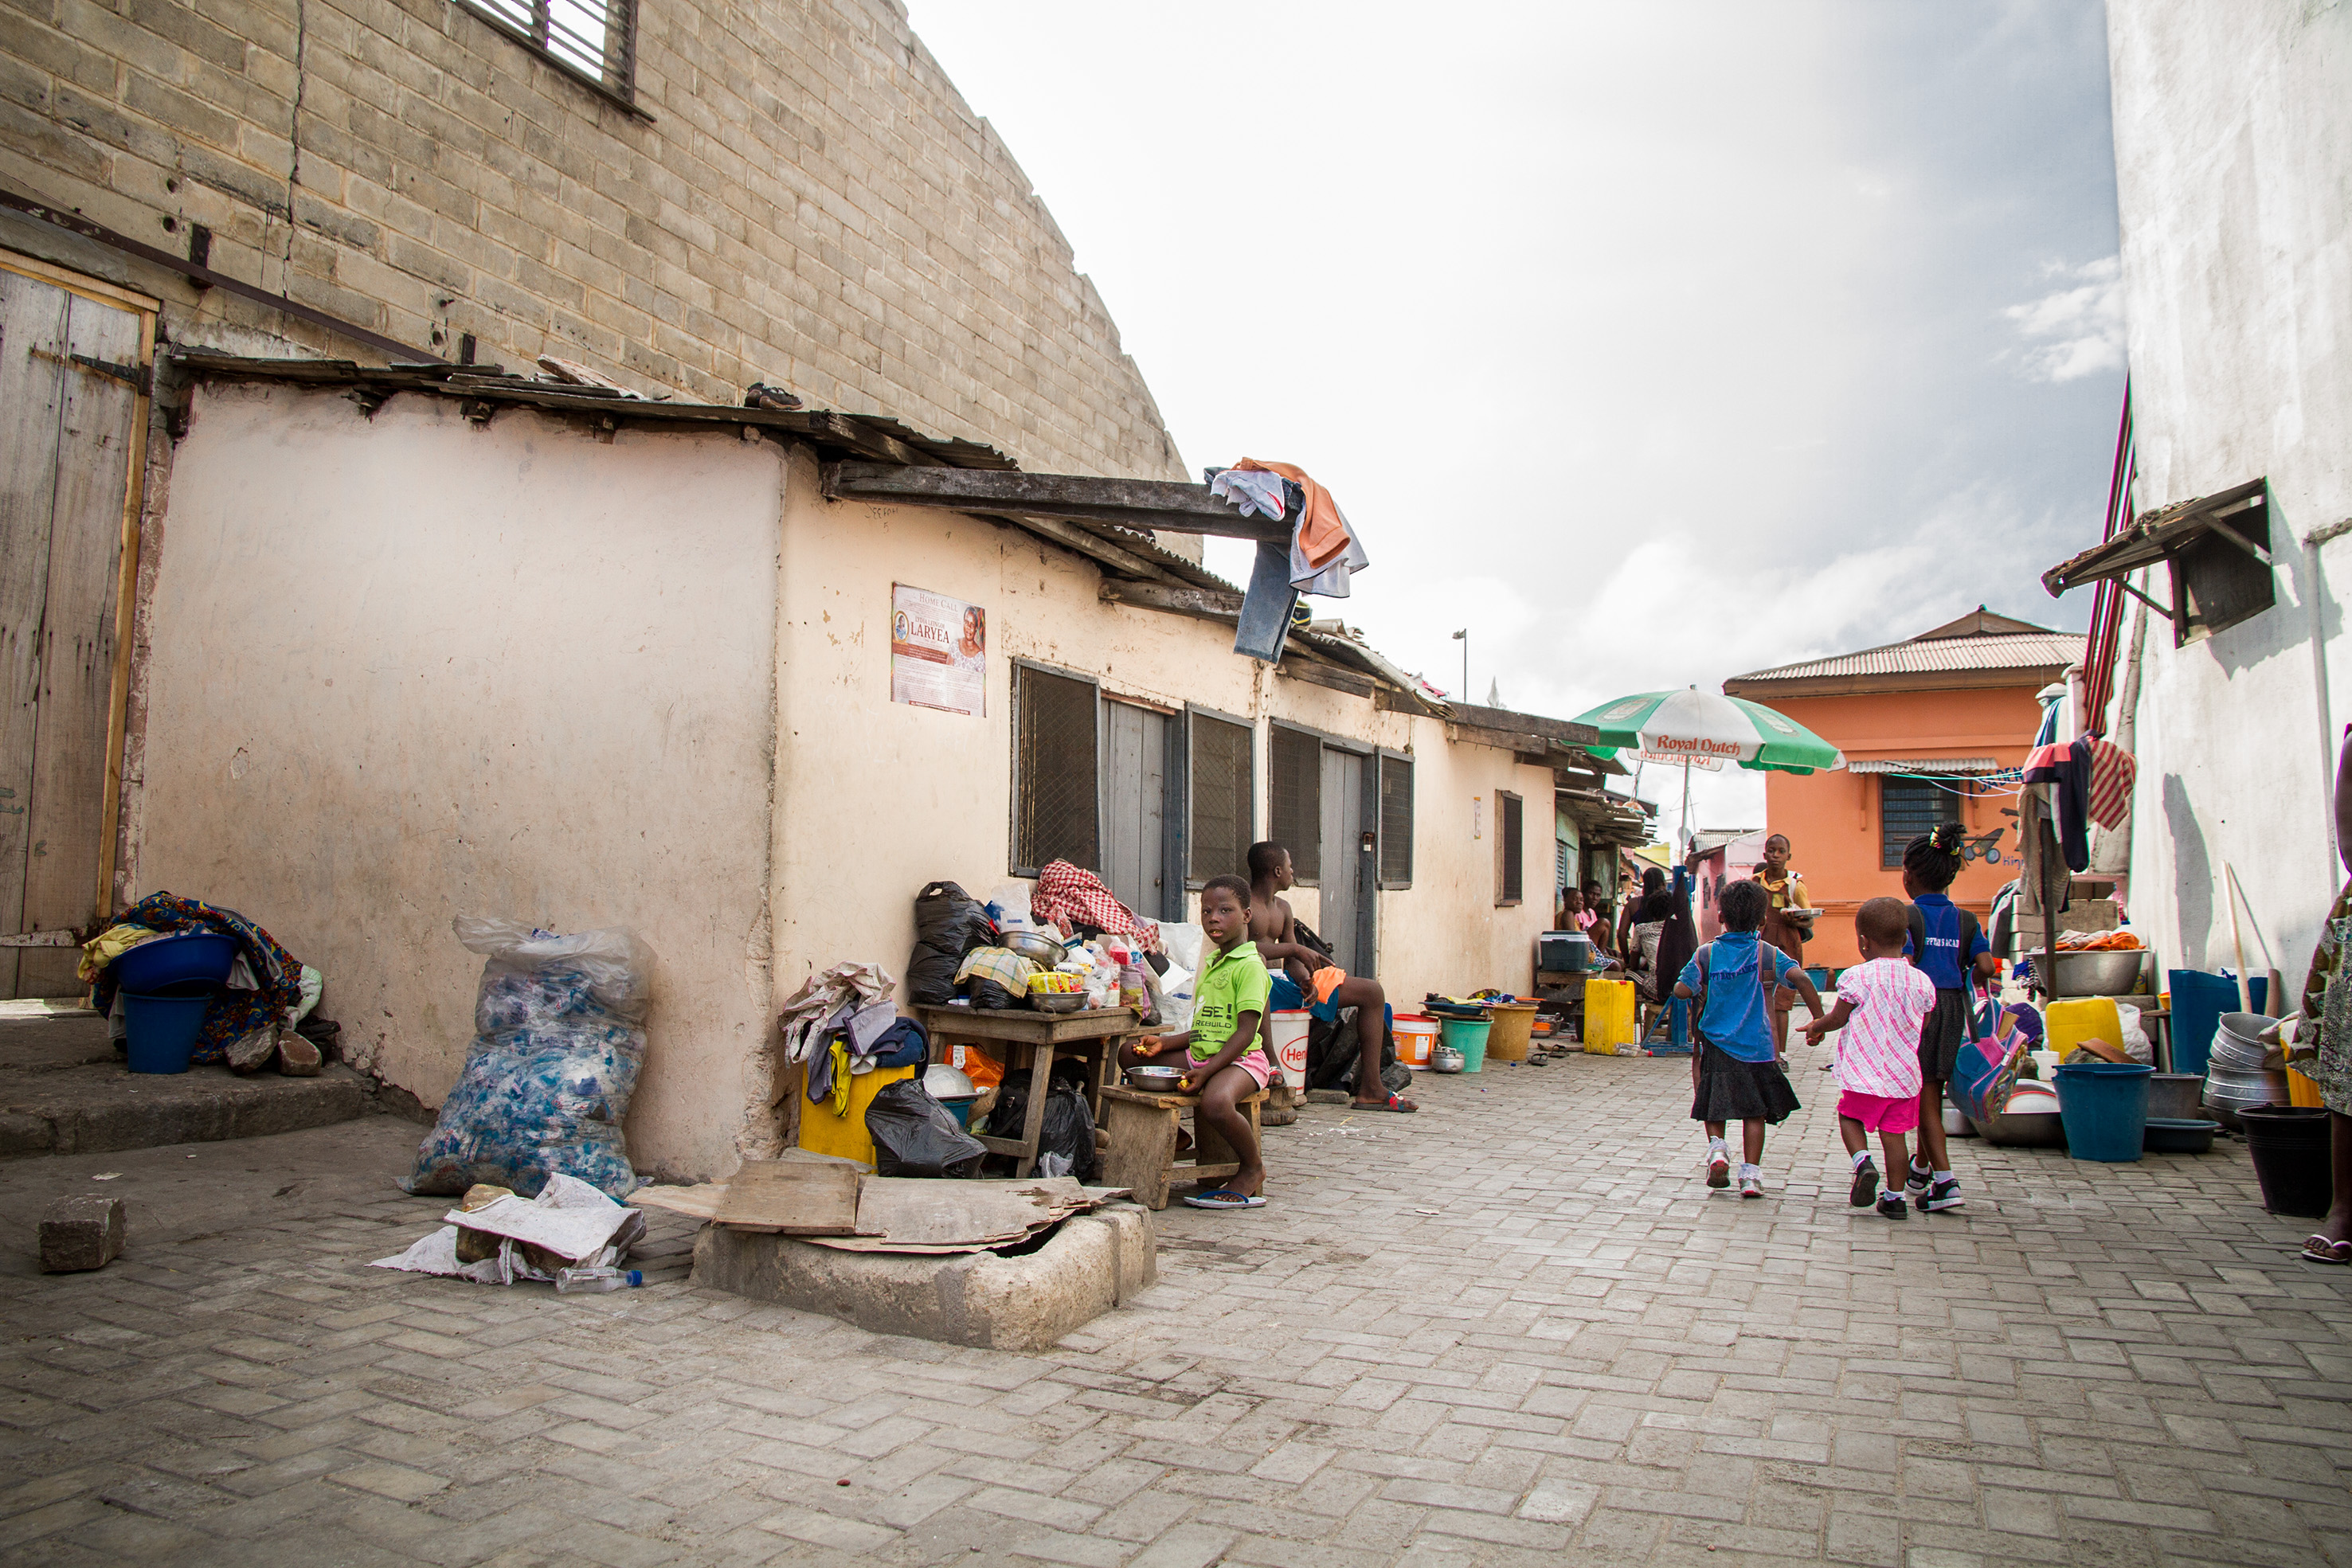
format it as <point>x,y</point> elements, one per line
<point>1947,944</point>
<point>1737,1072</point>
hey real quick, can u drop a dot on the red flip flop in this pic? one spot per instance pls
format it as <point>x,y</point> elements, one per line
<point>1394,1102</point>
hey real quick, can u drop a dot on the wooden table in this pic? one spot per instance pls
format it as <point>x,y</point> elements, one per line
<point>1030,1038</point>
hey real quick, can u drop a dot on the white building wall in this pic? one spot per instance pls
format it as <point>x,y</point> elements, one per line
<point>2233,149</point>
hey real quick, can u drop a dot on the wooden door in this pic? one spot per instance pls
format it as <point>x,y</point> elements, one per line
<point>1342,883</point>
<point>1135,814</point>
<point>71,405</point>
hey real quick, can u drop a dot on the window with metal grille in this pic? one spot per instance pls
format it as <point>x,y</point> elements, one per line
<point>1907,808</point>
<point>1295,819</point>
<point>1054,790</point>
<point>1225,787</point>
<point>1510,880</point>
<point>595,40</point>
<point>1396,822</point>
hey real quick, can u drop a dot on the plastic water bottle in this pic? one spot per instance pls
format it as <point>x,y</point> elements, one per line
<point>1132,992</point>
<point>582,1281</point>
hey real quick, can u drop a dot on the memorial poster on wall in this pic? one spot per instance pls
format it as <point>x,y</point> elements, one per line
<point>939,651</point>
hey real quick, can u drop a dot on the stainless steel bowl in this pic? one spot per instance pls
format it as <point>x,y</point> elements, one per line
<point>1057,1001</point>
<point>1035,946</point>
<point>2091,974</point>
<point>1156,1079</point>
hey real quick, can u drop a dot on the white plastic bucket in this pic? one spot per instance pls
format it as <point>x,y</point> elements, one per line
<point>1290,1044</point>
<point>1416,1038</point>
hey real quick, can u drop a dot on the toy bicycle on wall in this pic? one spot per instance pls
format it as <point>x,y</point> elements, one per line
<point>1986,848</point>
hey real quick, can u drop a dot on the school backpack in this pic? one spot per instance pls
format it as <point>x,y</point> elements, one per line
<point>1698,1002</point>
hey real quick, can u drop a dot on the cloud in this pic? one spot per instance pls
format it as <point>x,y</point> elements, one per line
<point>2075,330</point>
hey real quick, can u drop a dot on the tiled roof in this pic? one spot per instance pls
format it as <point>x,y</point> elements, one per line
<point>2022,651</point>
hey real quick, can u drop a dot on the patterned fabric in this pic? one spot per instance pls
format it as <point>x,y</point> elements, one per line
<point>2112,772</point>
<point>2328,1006</point>
<point>1001,964</point>
<point>1065,893</point>
<point>232,1012</point>
<point>1878,1049</point>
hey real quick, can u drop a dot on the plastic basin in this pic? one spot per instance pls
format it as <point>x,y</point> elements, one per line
<point>159,1031</point>
<point>1470,1039</point>
<point>2179,1135</point>
<point>2104,1105</point>
<point>2289,1147</point>
<point>162,962</point>
<point>2199,1000</point>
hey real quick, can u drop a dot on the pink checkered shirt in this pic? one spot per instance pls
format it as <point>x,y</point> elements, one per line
<point>1878,1050</point>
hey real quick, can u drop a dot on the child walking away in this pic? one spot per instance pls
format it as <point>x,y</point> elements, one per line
<point>1737,1074</point>
<point>1219,1054</point>
<point>1949,948</point>
<point>1882,1003</point>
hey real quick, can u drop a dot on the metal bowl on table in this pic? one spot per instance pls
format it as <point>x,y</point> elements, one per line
<point>1057,1001</point>
<point>1155,1080</point>
<point>2102,974</point>
<point>1034,945</point>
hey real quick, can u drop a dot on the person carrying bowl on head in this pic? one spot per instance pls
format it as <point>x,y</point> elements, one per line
<point>1788,924</point>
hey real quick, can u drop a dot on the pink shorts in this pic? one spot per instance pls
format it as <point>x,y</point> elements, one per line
<point>1253,1063</point>
<point>1879,1113</point>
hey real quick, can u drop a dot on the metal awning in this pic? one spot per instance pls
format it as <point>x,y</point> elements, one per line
<point>1930,766</point>
<point>2233,523</point>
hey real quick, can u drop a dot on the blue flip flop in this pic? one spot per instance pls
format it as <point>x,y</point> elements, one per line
<point>1223,1198</point>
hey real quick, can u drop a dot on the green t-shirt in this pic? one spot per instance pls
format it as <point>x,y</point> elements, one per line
<point>1234,983</point>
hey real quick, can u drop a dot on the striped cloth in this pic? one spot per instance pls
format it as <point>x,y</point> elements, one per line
<point>2112,772</point>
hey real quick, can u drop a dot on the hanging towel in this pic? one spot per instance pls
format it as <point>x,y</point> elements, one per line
<point>1254,492</point>
<point>1322,531</point>
<point>2112,772</point>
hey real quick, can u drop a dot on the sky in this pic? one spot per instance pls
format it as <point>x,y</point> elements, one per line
<point>1651,343</point>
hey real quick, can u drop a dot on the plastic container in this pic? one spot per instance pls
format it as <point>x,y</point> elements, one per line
<point>1469,1039</point>
<point>1290,1045</point>
<point>1416,1037</point>
<point>1566,953</point>
<point>161,963</point>
<point>2198,1002</point>
<point>2104,1105</point>
<point>2176,1096</point>
<point>959,1107</point>
<point>2289,1146</point>
<point>160,1030</point>
<point>2179,1135</point>
<point>584,1282</point>
<point>1511,1025</point>
<point>1609,1017</point>
<point>844,1136</point>
<point>2068,1024</point>
<point>2302,1091</point>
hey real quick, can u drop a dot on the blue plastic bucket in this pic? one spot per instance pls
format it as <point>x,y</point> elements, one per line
<point>161,963</point>
<point>2199,1000</point>
<point>161,1030</point>
<point>2104,1105</point>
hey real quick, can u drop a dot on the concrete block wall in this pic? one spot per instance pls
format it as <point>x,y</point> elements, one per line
<point>806,200</point>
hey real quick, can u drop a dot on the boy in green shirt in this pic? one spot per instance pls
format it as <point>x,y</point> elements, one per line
<point>1219,1054</point>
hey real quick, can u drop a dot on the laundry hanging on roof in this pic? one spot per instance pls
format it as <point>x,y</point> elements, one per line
<point>1252,491</point>
<point>2112,773</point>
<point>1322,531</point>
<point>2066,765</point>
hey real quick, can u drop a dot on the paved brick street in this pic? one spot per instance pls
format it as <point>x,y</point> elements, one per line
<point>1514,1328</point>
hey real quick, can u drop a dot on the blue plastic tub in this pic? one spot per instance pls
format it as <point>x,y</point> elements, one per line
<point>192,957</point>
<point>2104,1105</point>
<point>2199,1000</point>
<point>161,1030</point>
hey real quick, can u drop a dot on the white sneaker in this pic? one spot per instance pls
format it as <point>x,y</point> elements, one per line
<point>1751,1182</point>
<point>1719,1169</point>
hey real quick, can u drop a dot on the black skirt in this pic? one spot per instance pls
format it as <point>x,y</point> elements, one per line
<point>1941,1034</point>
<point>1730,1090</point>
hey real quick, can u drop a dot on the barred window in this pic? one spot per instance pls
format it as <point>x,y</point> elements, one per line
<point>1907,808</point>
<point>594,39</point>
<point>1224,788</point>
<point>1055,814</point>
<point>1396,822</point>
<point>1295,819</point>
<point>1510,847</point>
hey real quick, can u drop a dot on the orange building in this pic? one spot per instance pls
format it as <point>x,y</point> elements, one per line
<point>1922,725</point>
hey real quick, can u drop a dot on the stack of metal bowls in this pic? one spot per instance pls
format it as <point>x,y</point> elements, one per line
<point>2235,1077</point>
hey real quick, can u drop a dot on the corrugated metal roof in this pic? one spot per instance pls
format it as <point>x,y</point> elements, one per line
<point>2015,651</point>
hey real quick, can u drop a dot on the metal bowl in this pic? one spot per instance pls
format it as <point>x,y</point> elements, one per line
<point>1057,1001</point>
<point>1035,946</point>
<point>2115,973</point>
<point>2025,1130</point>
<point>1156,1079</point>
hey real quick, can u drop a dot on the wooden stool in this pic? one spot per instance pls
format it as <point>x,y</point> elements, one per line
<point>1141,1132</point>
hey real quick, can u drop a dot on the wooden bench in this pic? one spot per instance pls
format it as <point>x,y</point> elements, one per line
<point>1141,1130</point>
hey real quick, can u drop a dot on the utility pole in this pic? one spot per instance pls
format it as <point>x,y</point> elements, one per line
<point>1463,637</point>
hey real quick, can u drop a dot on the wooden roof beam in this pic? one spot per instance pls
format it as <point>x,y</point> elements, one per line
<point>1158,505</point>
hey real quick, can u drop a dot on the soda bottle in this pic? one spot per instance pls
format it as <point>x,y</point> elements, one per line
<point>582,1281</point>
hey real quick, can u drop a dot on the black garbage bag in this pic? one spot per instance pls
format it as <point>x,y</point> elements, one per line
<point>1333,1058</point>
<point>1065,1145</point>
<point>915,1135</point>
<point>949,923</point>
<point>989,993</point>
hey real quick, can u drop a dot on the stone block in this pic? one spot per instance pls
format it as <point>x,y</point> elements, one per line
<point>1091,1264</point>
<point>78,1234</point>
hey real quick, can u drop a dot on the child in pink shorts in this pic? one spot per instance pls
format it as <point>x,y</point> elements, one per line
<point>1881,1003</point>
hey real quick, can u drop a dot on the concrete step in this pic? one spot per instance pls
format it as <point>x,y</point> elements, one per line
<point>63,1090</point>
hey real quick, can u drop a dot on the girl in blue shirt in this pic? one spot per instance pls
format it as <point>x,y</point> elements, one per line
<point>1737,1073</point>
<point>1947,944</point>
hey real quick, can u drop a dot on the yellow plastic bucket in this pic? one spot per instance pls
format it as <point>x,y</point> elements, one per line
<point>1513,1023</point>
<point>844,1136</point>
<point>2069,1024</point>
<point>1609,1018</point>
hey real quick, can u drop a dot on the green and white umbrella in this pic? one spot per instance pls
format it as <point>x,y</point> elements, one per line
<point>1700,730</point>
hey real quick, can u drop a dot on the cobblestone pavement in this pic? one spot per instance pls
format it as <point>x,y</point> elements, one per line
<point>1513,1328</point>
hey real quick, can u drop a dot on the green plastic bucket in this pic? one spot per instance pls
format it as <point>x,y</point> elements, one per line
<point>1469,1037</point>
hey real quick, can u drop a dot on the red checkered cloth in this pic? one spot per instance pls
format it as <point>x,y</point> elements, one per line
<point>2112,772</point>
<point>1065,893</point>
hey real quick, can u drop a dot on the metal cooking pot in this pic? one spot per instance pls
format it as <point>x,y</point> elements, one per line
<point>2104,973</point>
<point>1035,946</point>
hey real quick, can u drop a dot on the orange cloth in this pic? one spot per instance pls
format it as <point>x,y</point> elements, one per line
<point>1323,533</point>
<point>1325,982</point>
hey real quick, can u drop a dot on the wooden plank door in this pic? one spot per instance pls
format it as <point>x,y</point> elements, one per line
<point>1135,815</point>
<point>1342,891</point>
<point>69,424</point>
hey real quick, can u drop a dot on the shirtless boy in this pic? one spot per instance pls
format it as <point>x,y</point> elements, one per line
<point>1304,979</point>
